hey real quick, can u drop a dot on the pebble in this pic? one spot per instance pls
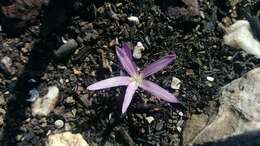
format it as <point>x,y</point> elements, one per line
<point>70,100</point>
<point>137,53</point>
<point>180,114</point>
<point>211,79</point>
<point>113,42</point>
<point>43,106</point>
<point>66,49</point>
<point>229,58</point>
<point>63,40</point>
<point>7,61</point>
<point>133,19</point>
<point>67,127</point>
<point>110,12</point>
<point>176,83</point>
<point>2,100</point>
<point>34,94</point>
<point>159,126</point>
<point>58,124</point>
<point>5,65</point>
<point>149,119</point>
<point>179,129</point>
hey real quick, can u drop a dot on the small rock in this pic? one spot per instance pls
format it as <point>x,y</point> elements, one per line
<point>176,83</point>
<point>2,100</point>
<point>159,125</point>
<point>138,50</point>
<point>114,42</point>
<point>133,19</point>
<point>59,124</point>
<point>211,79</point>
<point>180,114</point>
<point>76,72</point>
<point>149,119</point>
<point>239,35</point>
<point>179,129</point>
<point>70,100</point>
<point>26,47</point>
<point>34,94</point>
<point>19,137</point>
<point>43,106</point>
<point>63,40</point>
<point>66,139</point>
<point>66,49</point>
<point>67,127</point>
<point>110,12</point>
<point>6,61</point>
<point>5,65</point>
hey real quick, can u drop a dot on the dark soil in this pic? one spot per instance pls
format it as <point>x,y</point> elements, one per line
<point>196,38</point>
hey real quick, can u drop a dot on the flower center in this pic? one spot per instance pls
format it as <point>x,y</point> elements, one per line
<point>137,79</point>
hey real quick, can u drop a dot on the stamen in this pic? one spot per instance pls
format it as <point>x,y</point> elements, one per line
<point>137,79</point>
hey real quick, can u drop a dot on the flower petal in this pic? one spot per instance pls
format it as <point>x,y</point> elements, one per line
<point>158,65</point>
<point>127,50</point>
<point>126,60</point>
<point>110,82</point>
<point>158,91</point>
<point>129,96</point>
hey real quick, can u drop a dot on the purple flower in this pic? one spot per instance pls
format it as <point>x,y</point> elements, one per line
<point>136,78</point>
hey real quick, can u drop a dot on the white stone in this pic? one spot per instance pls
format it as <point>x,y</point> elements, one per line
<point>180,114</point>
<point>239,35</point>
<point>179,129</point>
<point>44,105</point>
<point>149,119</point>
<point>133,19</point>
<point>66,139</point>
<point>64,40</point>
<point>176,83</point>
<point>137,53</point>
<point>6,61</point>
<point>211,79</point>
<point>59,124</point>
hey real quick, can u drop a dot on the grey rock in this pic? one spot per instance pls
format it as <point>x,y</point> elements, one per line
<point>237,121</point>
<point>193,126</point>
<point>66,49</point>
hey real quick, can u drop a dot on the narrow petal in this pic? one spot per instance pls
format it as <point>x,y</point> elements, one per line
<point>158,91</point>
<point>127,50</point>
<point>111,82</point>
<point>158,65</point>
<point>129,96</point>
<point>127,62</point>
